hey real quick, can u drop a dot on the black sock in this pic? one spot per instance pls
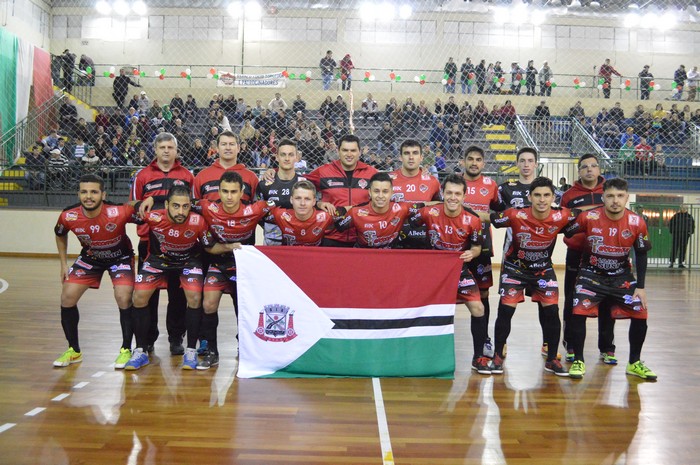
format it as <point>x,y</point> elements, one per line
<point>542,323</point>
<point>578,335</point>
<point>505,314</point>
<point>637,335</point>
<point>210,323</point>
<point>125,320</point>
<point>69,320</point>
<point>478,327</point>
<point>487,313</point>
<point>551,329</point>
<point>142,323</point>
<point>193,320</point>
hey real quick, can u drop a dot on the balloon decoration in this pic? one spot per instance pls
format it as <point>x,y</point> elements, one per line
<point>444,82</point>
<point>302,76</point>
<point>422,82</point>
<point>308,79</point>
<point>135,72</point>
<point>416,78</point>
<point>285,73</point>
<point>367,74</point>
<point>398,78</point>
<point>392,76</point>
<point>523,82</point>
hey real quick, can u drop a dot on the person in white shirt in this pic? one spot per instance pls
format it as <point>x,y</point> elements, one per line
<point>277,104</point>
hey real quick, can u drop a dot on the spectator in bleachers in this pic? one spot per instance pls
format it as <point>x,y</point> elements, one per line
<point>326,109</point>
<point>51,141</point>
<point>645,79</point>
<point>563,185</point>
<point>628,156</point>
<point>346,67</point>
<point>610,135</point>
<point>255,144</point>
<point>592,128</point>
<point>428,156</point>
<point>57,170</point>
<point>672,130</point>
<point>339,131</point>
<point>531,78</point>
<point>265,158</point>
<point>603,116</point>
<point>455,142</point>
<point>315,150</point>
<point>242,112</point>
<point>128,118</point>
<point>300,165</point>
<point>68,115</point>
<point>212,152</point>
<point>638,112</point>
<point>679,76</point>
<point>466,75</point>
<point>370,109</point>
<point>219,101</point>
<point>516,75</point>
<point>390,108</point>
<point>491,79</point>
<point>327,66</point>
<point>451,111</point>
<point>673,110</point>
<point>35,167</point>
<point>300,120</point>
<point>467,123</point>
<point>222,120</point>
<point>480,76</point>
<point>605,72</point>
<point>629,134</point>
<point>659,112</point>
<point>546,75</point>
<point>82,129</point>
<point>439,137</point>
<point>101,119</point>
<point>481,113</point>
<point>65,151</point>
<point>658,165</point>
<point>617,114</point>
<point>263,122</point>
<point>197,154</point>
<point>693,77</point>
<point>645,156</point>
<point>340,108</point>
<point>437,109</point>
<point>282,125</point>
<point>154,110</point>
<point>466,108</point>
<point>508,114</point>
<point>386,139</point>
<point>695,119</point>
<point>134,102</point>
<point>577,111</point>
<point>143,129</point>
<point>331,151</point>
<point>257,109</point>
<point>80,148</point>
<point>450,72</point>
<point>212,135</point>
<point>312,131</point>
<point>175,102</point>
<point>91,161</point>
<point>247,131</point>
<point>229,105</point>
<point>374,160</point>
<point>158,121</point>
<point>542,115</point>
<point>120,87</point>
<point>299,105</point>
<point>141,159</point>
<point>410,116</point>
<point>144,102</point>
<point>685,114</point>
<point>277,104</point>
<point>191,111</point>
<point>214,101</point>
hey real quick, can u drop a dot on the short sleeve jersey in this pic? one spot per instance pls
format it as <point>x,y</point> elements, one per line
<point>228,228</point>
<point>103,239</point>
<point>419,188</point>
<point>174,244</point>
<point>456,233</point>
<point>303,233</point>
<point>376,230</point>
<point>581,197</point>
<point>608,242</point>
<point>278,191</point>
<point>482,196</point>
<point>206,184</point>
<point>533,239</point>
<point>514,194</point>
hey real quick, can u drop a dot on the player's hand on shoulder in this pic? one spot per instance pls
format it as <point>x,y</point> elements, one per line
<point>146,206</point>
<point>326,207</point>
<point>269,175</point>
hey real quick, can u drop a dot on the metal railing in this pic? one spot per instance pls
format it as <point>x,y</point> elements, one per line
<point>582,142</point>
<point>29,130</point>
<point>522,135</point>
<point>694,137</point>
<point>551,135</point>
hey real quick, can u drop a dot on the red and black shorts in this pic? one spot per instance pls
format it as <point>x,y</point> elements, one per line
<point>221,277</point>
<point>467,290</point>
<point>541,285</point>
<point>121,271</point>
<point>591,289</point>
<point>154,275</point>
<point>481,269</point>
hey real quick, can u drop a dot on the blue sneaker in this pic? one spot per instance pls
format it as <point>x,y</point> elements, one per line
<point>189,360</point>
<point>203,347</point>
<point>138,359</point>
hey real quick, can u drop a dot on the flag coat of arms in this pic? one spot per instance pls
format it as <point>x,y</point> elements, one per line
<point>322,312</point>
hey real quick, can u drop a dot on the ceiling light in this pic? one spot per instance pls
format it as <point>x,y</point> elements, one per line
<point>121,7</point>
<point>386,11</point>
<point>632,20</point>
<point>368,12</point>
<point>235,9</point>
<point>139,8</point>
<point>538,17</point>
<point>405,11</point>
<point>253,10</point>
<point>103,7</point>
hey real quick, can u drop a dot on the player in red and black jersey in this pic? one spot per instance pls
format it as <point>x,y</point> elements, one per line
<point>585,194</point>
<point>177,236</point>
<point>155,181</point>
<point>231,223</point>
<point>279,191</point>
<point>302,225</point>
<point>611,232</point>
<point>451,227</point>
<point>411,185</point>
<point>527,265</point>
<point>481,196</point>
<point>379,221</point>
<point>101,229</point>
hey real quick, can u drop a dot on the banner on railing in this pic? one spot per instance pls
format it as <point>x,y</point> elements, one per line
<point>251,80</point>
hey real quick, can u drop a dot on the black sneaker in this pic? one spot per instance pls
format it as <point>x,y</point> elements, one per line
<point>554,366</point>
<point>210,359</point>
<point>176,348</point>
<point>482,365</point>
<point>497,365</point>
<point>150,348</point>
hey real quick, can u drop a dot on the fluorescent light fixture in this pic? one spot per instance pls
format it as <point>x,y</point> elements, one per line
<point>501,15</point>
<point>632,20</point>
<point>386,11</point>
<point>667,21</point>
<point>405,11</point>
<point>139,8</point>
<point>538,17</point>
<point>368,12</point>
<point>633,6</point>
<point>121,7</point>
<point>253,10</point>
<point>235,9</point>
<point>103,7</point>
<point>648,21</point>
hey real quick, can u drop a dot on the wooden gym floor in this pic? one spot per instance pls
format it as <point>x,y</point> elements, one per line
<point>91,414</point>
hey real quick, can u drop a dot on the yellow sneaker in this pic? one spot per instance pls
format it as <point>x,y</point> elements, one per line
<point>68,357</point>
<point>124,356</point>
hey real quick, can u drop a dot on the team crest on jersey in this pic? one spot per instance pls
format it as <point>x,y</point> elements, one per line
<point>248,210</point>
<point>362,212</point>
<point>512,292</point>
<point>122,267</point>
<point>71,216</point>
<point>395,221</point>
<point>593,215</point>
<point>543,283</point>
<point>211,280</point>
<point>393,175</point>
<point>487,181</point>
<point>362,183</point>
<point>194,219</point>
<point>213,207</point>
<point>189,233</point>
<point>193,270</point>
<point>396,207</point>
<point>112,212</point>
<point>79,273</point>
<point>178,182</point>
<point>155,217</point>
<point>245,221</point>
<point>552,229</point>
<point>521,215</point>
<point>434,211</point>
<point>110,227</point>
<point>84,239</point>
<point>556,216</point>
<point>286,216</point>
<point>317,231</point>
<point>626,233</point>
<point>321,216</point>
<point>461,232</point>
<point>586,303</point>
<point>484,191</point>
<point>634,220</point>
<point>276,324</point>
<point>423,188</point>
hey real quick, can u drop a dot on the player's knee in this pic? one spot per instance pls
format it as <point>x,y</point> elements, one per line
<point>476,309</point>
<point>123,298</point>
<point>69,299</point>
<point>210,305</point>
<point>194,299</point>
<point>140,299</point>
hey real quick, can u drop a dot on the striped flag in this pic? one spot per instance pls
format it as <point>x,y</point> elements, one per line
<point>315,312</point>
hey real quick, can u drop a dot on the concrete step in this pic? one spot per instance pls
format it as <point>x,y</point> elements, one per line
<point>506,147</point>
<point>510,157</point>
<point>497,136</point>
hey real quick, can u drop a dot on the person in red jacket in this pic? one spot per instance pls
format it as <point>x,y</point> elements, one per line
<point>155,180</point>
<point>586,193</point>
<point>606,71</point>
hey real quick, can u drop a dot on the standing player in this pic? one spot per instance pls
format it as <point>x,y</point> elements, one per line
<point>451,227</point>
<point>279,190</point>
<point>176,236</point>
<point>101,229</point>
<point>231,223</point>
<point>481,196</point>
<point>156,180</point>
<point>586,193</point>
<point>379,221</point>
<point>411,184</point>
<point>303,224</point>
<point>516,194</point>
<point>611,232</point>
<point>527,266</point>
